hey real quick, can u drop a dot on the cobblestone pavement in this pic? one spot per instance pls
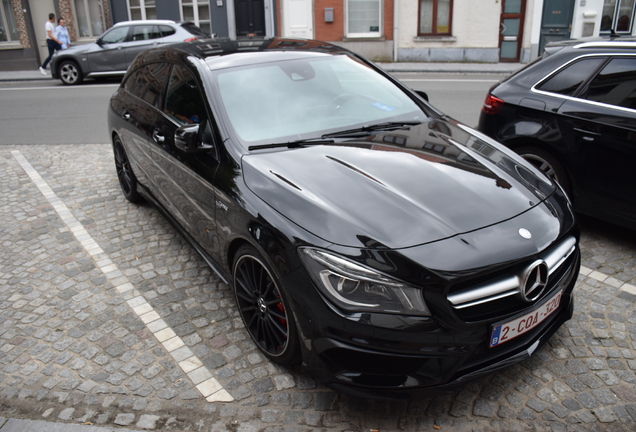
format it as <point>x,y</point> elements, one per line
<point>82,272</point>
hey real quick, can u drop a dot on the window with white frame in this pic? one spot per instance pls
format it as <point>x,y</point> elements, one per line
<point>142,9</point>
<point>618,15</point>
<point>197,12</point>
<point>8,30</point>
<point>435,17</point>
<point>90,18</point>
<point>364,18</point>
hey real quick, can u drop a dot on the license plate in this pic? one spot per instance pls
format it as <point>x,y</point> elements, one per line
<point>504,332</point>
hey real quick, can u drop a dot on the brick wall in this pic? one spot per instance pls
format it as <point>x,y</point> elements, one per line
<point>20,23</point>
<point>66,12</point>
<point>335,31</point>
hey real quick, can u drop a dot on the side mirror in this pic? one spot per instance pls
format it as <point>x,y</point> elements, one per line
<point>422,94</point>
<point>99,42</point>
<point>188,139</point>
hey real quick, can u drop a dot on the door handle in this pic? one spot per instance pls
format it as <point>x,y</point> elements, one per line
<point>125,115</point>
<point>157,136</point>
<point>588,135</point>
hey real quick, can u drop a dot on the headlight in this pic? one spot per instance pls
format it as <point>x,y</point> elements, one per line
<point>354,287</point>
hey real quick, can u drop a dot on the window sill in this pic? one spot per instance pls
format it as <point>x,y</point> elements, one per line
<point>435,39</point>
<point>364,39</point>
<point>11,46</point>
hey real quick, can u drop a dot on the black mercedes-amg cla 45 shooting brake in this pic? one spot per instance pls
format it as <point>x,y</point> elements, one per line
<point>385,247</point>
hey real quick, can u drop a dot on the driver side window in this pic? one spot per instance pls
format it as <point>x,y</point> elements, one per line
<point>116,35</point>
<point>184,102</point>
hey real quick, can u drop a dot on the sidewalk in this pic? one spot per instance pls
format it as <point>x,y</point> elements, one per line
<point>505,68</point>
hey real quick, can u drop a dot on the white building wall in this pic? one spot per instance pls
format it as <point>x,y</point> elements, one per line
<point>475,33</point>
<point>588,11</point>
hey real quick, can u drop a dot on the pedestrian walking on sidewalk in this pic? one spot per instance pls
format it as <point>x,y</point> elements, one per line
<point>51,41</point>
<point>62,33</point>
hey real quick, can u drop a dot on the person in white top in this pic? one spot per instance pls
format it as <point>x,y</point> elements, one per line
<point>51,41</point>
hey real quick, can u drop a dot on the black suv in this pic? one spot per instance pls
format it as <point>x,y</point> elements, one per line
<point>572,114</point>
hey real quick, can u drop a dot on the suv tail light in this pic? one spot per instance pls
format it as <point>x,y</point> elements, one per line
<point>190,39</point>
<point>492,105</point>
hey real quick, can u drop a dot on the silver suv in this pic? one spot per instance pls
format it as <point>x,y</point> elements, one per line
<point>111,54</point>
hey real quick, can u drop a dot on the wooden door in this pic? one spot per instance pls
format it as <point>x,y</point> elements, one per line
<point>513,14</point>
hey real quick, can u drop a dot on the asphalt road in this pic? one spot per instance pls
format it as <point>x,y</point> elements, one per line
<point>52,113</point>
<point>459,95</point>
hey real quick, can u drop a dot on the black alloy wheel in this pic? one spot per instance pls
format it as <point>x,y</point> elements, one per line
<point>70,73</point>
<point>263,307</point>
<point>127,179</point>
<point>547,164</point>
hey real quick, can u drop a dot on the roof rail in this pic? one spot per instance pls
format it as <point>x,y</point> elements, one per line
<point>608,44</point>
<point>151,21</point>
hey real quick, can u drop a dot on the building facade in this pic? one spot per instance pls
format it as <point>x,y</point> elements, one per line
<point>501,30</point>
<point>383,30</point>
<point>22,34</point>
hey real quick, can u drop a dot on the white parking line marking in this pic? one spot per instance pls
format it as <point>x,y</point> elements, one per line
<point>629,288</point>
<point>209,387</point>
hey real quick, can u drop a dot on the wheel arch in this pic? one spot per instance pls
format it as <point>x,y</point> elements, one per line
<point>533,142</point>
<point>261,237</point>
<point>80,70</point>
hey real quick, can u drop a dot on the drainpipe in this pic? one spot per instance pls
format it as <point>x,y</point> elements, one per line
<point>395,30</point>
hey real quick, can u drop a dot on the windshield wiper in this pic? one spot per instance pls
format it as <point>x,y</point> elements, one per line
<point>292,144</point>
<point>371,128</point>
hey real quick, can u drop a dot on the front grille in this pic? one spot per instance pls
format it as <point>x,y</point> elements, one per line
<point>496,294</point>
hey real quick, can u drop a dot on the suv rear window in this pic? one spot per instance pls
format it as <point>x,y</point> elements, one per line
<point>194,29</point>
<point>568,80</point>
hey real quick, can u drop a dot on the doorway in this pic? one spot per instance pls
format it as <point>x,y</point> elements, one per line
<point>40,10</point>
<point>250,18</point>
<point>298,18</point>
<point>556,21</point>
<point>513,15</point>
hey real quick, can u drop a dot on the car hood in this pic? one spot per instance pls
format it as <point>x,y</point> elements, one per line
<point>397,189</point>
<point>77,49</point>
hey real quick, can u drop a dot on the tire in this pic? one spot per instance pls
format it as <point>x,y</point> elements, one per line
<point>264,307</point>
<point>125,175</point>
<point>70,73</point>
<point>547,164</point>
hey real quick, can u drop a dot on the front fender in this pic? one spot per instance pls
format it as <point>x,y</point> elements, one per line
<point>55,63</point>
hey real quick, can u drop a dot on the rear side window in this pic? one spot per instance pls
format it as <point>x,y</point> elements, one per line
<point>166,31</point>
<point>615,84</point>
<point>568,80</point>
<point>148,82</point>
<point>194,29</point>
<point>145,32</point>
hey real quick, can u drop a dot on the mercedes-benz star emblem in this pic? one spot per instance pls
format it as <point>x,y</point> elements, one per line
<point>525,233</point>
<point>534,281</point>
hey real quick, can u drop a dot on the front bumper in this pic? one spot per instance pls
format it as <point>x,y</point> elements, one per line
<point>396,357</point>
<point>408,383</point>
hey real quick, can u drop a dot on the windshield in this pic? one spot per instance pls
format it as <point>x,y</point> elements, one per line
<point>298,99</point>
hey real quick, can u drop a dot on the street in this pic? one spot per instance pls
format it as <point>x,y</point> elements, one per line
<point>52,113</point>
<point>81,268</point>
<point>458,95</point>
